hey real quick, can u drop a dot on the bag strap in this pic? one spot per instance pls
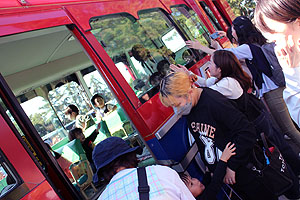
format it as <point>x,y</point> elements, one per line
<point>263,138</point>
<point>143,187</point>
<point>185,162</point>
<point>231,190</point>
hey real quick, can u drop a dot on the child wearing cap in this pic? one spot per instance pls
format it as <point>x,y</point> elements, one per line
<point>209,193</point>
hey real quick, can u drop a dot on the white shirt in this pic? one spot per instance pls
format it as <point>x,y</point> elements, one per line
<point>227,86</point>
<point>244,52</point>
<point>291,94</point>
<point>164,183</point>
<point>100,111</point>
<point>80,121</point>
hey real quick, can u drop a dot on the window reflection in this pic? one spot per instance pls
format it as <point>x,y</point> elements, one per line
<point>139,47</point>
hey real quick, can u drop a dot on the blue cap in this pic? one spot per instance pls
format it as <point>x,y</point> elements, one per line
<point>108,150</point>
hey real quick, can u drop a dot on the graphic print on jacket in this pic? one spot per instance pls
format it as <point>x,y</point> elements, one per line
<point>206,135</point>
<point>214,122</point>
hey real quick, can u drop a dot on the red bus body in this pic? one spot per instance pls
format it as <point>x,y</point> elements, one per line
<point>20,16</point>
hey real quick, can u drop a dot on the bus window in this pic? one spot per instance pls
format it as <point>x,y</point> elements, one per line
<point>20,132</point>
<point>66,94</point>
<point>97,85</point>
<point>211,16</point>
<point>141,49</point>
<point>161,30</point>
<point>8,180</point>
<point>192,25</point>
<point>44,120</point>
<point>115,122</point>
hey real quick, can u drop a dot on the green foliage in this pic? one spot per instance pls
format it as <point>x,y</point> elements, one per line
<point>242,7</point>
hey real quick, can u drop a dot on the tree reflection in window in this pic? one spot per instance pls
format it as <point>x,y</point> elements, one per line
<point>137,46</point>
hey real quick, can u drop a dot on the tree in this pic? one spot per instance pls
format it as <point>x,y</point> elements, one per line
<point>242,7</point>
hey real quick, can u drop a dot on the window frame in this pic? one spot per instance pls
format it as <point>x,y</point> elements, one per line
<point>20,188</point>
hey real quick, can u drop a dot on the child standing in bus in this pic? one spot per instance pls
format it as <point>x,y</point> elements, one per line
<point>101,107</point>
<point>202,192</point>
<point>87,143</point>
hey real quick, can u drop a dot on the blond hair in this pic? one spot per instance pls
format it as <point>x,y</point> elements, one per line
<point>175,84</point>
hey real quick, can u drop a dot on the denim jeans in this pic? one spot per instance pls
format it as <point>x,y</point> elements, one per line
<point>280,113</point>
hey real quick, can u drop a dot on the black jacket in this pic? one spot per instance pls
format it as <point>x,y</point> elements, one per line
<point>214,122</point>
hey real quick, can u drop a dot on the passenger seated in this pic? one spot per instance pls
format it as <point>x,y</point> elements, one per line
<point>146,56</point>
<point>101,107</point>
<point>199,190</point>
<point>163,67</point>
<point>81,121</point>
<point>155,79</point>
<point>87,143</point>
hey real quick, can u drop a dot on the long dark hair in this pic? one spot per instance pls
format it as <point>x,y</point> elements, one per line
<point>285,11</point>
<point>231,67</point>
<point>246,32</point>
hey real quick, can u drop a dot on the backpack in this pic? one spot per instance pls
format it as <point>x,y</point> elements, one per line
<point>277,74</point>
<point>265,61</point>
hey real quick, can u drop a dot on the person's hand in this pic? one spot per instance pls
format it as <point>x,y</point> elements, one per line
<point>288,55</point>
<point>214,44</point>
<point>228,152</point>
<point>229,176</point>
<point>221,33</point>
<point>194,44</point>
<point>179,68</point>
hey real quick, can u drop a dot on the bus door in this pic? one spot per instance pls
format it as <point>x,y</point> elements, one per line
<point>133,48</point>
<point>21,167</point>
<point>27,168</point>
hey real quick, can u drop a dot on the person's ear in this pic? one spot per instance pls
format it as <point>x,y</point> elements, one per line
<point>298,21</point>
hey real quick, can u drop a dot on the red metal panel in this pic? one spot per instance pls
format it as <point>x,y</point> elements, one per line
<point>43,191</point>
<point>82,13</point>
<point>227,11</point>
<point>19,157</point>
<point>9,3</point>
<point>216,14</point>
<point>154,114</point>
<point>27,21</point>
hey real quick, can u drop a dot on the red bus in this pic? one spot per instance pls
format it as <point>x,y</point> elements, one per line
<point>61,53</point>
